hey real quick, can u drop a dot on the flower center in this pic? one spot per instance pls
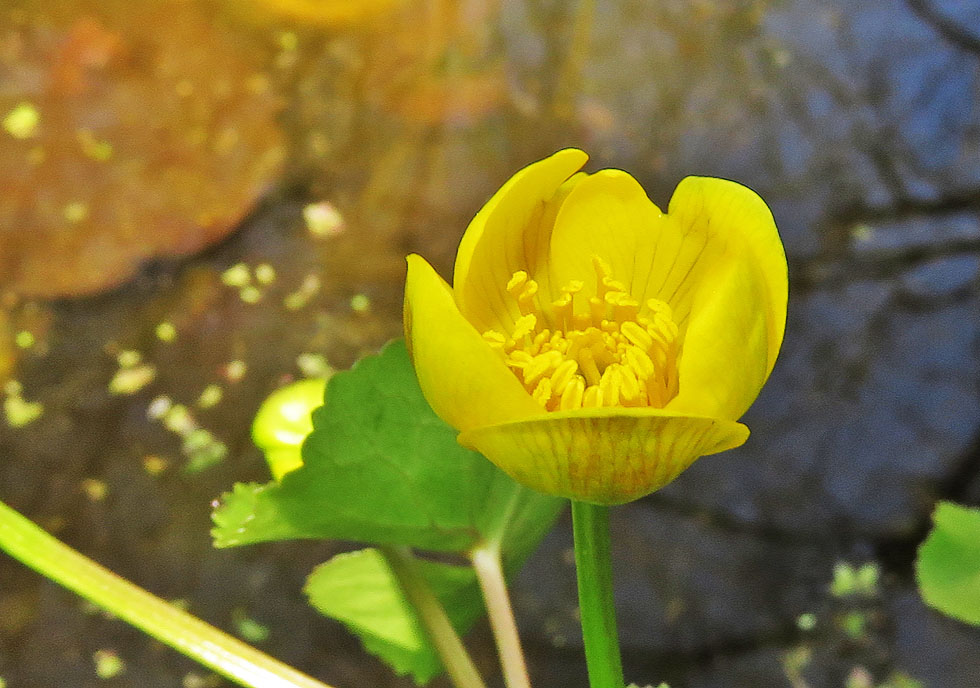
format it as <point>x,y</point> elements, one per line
<point>615,352</point>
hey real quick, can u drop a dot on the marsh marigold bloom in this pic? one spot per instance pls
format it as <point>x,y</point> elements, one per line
<point>592,346</point>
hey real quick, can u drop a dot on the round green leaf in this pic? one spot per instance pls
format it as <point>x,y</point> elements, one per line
<point>948,567</point>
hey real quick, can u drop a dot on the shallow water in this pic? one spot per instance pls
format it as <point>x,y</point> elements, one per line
<point>176,141</point>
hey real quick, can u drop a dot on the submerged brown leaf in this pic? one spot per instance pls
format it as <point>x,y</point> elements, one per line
<point>130,131</point>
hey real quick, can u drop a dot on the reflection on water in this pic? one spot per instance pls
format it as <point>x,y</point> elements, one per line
<point>202,199</point>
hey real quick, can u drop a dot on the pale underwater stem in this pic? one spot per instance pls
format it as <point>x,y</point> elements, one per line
<point>215,649</point>
<point>462,672</point>
<point>490,574</point>
<point>593,565</point>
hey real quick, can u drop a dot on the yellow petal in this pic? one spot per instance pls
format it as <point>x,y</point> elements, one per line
<point>670,257</point>
<point>609,215</point>
<point>724,362</point>
<point>465,382</point>
<point>737,216</point>
<point>510,233</point>
<point>604,456</point>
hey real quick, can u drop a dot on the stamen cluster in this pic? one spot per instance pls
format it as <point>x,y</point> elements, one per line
<point>610,350</point>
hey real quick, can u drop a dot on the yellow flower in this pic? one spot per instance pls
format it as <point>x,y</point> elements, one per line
<point>592,346</point>
<point>325,12</point>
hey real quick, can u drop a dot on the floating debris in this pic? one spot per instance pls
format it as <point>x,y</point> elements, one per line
<point>108,664</point>
<point>196,680</point>
<point>159,407</point>
<point>22,122</point>
<point>234,371</point>
<point>250,294</point>
<point>210,397</point>
<point>862,233</point>
<point>314,365</point>
<point>166,332</point>
<point>795,662</point>
<point>265,273</point>
<point>248,628</point>
<point>155,465</point>
<point>96,490</point>
<point>855,625</point>
<point>806,621</point>
<point>18,411</point>
<point>237,276</point>
<point>360,303</point>
<point>25,340</point>
<point>202,450</point>
<point>93,147</point>
<point>850,581</point>
<point>307,290</point>
<point>323,219</point>
<point>76,212</point>
<point>128,358</point>
<point>129,380</point>
<point>200,446</point>
<point>178,419</point>
<point>859,678</point>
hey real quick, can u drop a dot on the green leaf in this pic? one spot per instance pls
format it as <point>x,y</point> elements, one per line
<point>360,590</point>
<point>381,467</point>
<point>948,567</point>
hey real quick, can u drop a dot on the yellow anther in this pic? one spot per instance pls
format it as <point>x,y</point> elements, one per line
<point>563,374</point>
<point>519,359</point>
<point>494,339</point>
<point>629,386</point>
<point>571,396</point>
<point>516,283</point>
<point>525,301</point>
<point>624,308</point>
<point>541,365</point>
<point>636,334</point>
<point>612,352</point>
<point>639,362</point>
<point>559,342</point>
<point>592,397</point>
<point>666,325</point>
<point>540,340</point>
<point>609,386</point>
<point>608,285</point>
<point>542,393</point>
<point>657,306</point>
<point>524,326</point>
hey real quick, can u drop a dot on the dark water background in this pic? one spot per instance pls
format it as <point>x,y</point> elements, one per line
<point>175,140</point>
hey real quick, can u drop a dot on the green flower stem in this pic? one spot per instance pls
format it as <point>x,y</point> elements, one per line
<point>593,564</point>
<point>459,666</point>
<point>490,574</point>
<point>213,648</point>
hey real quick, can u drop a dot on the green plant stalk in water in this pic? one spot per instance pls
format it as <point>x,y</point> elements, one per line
<point>215,649</point>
